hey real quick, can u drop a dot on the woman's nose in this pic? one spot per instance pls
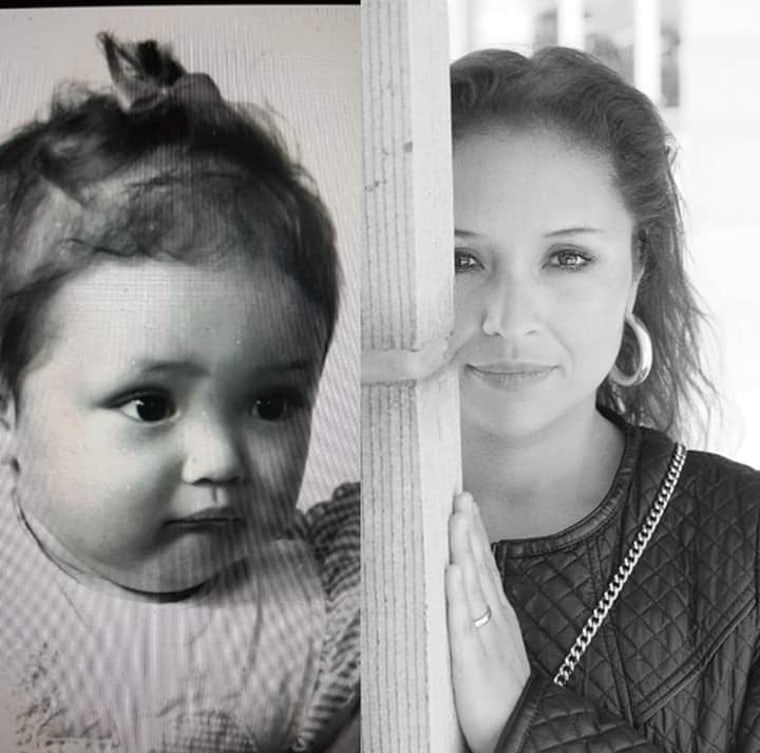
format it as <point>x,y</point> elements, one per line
<point>511,306</point>
<point>212,454</point>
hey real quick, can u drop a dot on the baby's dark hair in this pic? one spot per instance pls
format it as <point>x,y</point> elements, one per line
<point>159,168</point>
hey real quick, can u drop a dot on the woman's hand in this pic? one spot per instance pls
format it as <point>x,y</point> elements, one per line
<point>489,665</point>
<point>390,366</point>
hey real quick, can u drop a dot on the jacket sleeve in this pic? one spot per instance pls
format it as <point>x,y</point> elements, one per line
<point>748,736</point>
<point>550,718</point>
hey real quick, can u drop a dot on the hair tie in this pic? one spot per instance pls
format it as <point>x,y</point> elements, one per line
<point>194,87</point>
<point>145,74</point>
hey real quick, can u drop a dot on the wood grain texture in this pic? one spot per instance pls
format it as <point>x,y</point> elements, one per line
<point>410,430</point>
<point>408,263</point>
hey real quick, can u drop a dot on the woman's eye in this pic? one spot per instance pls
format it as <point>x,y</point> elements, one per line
<point>275,406</point>
<point>465,261</point>
<point>149,408</point>
<point>570,259</point>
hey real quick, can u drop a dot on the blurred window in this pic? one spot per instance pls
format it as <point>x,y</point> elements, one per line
<point>639,39</point>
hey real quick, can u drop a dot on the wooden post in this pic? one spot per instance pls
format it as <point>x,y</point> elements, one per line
<point>410,429</point>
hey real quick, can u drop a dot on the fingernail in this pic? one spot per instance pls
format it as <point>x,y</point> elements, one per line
<point>461,502</point>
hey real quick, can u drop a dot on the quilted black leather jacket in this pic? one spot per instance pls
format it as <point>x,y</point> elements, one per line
<point>676,665</point>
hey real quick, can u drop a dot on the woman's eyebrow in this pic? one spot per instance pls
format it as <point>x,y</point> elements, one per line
<point>466,233</point>
<point>573,231</point>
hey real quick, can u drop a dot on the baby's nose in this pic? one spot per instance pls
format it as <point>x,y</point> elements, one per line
<point>212,454</point>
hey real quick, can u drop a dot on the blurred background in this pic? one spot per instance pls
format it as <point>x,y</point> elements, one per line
<point>300,62</point>
<point>699,61</point>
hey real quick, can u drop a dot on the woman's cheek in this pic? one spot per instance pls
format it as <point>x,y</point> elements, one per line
<point>467,316</point>
<point>591,329</point>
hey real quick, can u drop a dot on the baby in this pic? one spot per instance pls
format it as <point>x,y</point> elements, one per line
<point>168,292</point>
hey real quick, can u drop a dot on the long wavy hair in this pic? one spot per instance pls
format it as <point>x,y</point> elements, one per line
<point>573,93</point>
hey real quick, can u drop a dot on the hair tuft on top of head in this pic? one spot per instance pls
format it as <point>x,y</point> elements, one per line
<point>161,168</point>
<point>140,72</point>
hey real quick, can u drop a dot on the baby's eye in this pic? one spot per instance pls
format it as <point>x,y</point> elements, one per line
<point>570,259</point>
<point>275,406</point>
<point>149,408</point>
<point>465,261</point>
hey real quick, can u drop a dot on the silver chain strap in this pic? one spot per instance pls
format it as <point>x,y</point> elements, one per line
<point>615,586</point>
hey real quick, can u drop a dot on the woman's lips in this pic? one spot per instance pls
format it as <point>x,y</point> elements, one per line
<point>510,375</point>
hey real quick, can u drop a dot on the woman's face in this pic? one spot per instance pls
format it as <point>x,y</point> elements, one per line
<point>544,276</point>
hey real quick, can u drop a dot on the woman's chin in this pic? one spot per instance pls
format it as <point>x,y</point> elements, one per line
<point>510,422</point>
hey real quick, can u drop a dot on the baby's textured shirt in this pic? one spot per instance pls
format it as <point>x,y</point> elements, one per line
<point>333,531</point>
<point>266,661</point>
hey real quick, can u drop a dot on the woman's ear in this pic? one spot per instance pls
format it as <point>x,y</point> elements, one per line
<point>634,290</point>
<point>639,264</point>
<point>7,422</point>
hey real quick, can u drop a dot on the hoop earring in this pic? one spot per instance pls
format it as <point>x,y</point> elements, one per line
<point>644,343</point>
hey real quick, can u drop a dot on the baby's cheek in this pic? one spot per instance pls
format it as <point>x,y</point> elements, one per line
<point>278,470</point>
<point>128,505</point>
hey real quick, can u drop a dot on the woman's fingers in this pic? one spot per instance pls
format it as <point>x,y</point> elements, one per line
<point>489,573</point>
<point>488,660</point>
<point>478,549</point>
<point>491,615</point>
<point>457,531</point>
<point>390,366</point>
<point>463,556</point>
<point>466,649</point>
<point>458,607</point>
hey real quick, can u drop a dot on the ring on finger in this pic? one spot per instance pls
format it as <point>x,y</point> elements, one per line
<point>484,618</point>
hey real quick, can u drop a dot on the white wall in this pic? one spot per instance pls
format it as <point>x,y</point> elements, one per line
<point>720,156</point>
<point>304,62</point>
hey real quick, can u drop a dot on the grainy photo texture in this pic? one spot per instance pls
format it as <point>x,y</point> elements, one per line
<point>179,553</point>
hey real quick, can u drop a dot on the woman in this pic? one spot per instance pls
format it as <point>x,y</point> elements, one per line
<point>622,611</point>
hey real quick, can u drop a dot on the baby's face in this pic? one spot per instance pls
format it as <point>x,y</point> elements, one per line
<point>164,427</point>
